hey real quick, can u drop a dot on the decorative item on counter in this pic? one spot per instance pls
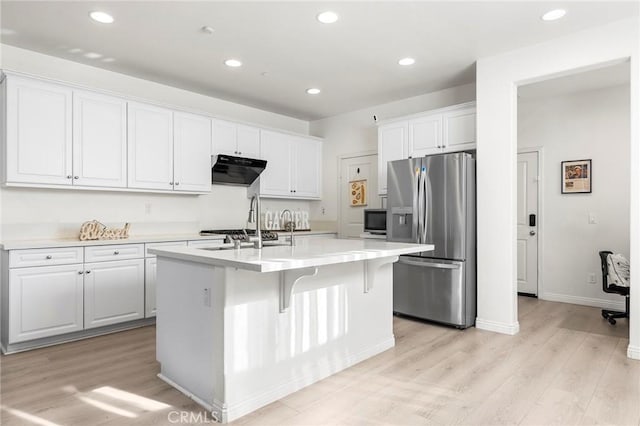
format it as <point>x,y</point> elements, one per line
<point>272,221</point>
<point>358,193</point>
<point>94,230</point>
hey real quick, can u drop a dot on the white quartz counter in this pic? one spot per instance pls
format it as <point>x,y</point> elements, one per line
<point>315,252</point>
<point>72,242</point>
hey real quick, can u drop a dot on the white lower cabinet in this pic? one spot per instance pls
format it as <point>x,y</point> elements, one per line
<point>150,287</point>
<point>45,301</point>
<point>113,292</point>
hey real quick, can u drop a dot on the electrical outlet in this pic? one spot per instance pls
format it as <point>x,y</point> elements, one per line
<point>591,278</point>
<point>206,296</point>
<point>592,219</point>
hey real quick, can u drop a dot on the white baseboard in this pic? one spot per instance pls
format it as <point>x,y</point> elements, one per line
<point>586,301</point>
<point>498,327</point>
<point>633,352</point>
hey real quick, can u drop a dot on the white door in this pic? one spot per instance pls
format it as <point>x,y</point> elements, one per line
<point>248,141</point>
<point>354,169</point>
<point>44,301</point>
<point>528,223</point>
<point>460,129</point>
<point>39,133</point>
<point>113,292</point>
<point>307,161</point>
<point>150,132</point>
<point>275,180</point>
<point>425,135</point>
<point>392,145</point>
<point>192,153</point>
<point>224,138</point>
<point>99,140</point>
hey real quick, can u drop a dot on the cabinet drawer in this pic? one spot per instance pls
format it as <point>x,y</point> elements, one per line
<point>45,257</point>
<point>113,252</point>
<point>205,243</point>
<point>161,245</point>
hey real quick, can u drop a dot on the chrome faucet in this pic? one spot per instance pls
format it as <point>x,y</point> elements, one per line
<point>254,216</point>
<point>291,224</point>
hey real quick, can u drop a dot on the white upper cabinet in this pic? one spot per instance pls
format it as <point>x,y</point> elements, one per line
<point>425,135</point>
<point>275,180</point>
<point>307,164</point>
<point>192,153</point>
<point>99,140</point>
<point>392,145</point>
<point>150,133</point>
<point>460,129</point>
<point>39,132</point>
<point>235,139</point>
<point>449,129</point>
<point>294,166</point>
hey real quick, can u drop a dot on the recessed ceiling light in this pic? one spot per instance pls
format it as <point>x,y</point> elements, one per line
<point>553,15</point>
<point>407,61</point>
<point>313,91</point>
<point>102,17</point>
<point>327,17</point>
<point>92,55</point>
<point>207,29</point>
<point>108,60</point>
<point>233,63</point>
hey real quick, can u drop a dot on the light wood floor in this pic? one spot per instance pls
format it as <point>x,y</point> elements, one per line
<point>567,366</point>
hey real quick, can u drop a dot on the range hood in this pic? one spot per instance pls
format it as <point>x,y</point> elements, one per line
<point>229,170</point>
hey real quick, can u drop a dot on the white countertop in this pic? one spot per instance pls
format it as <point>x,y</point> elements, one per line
<point>314,252</point>
<point>71,242</point>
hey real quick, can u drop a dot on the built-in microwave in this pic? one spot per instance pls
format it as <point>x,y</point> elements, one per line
<point>375,221</point>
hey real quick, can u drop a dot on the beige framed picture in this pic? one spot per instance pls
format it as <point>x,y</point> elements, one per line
<point>358,193</point>
<point>576,177</point>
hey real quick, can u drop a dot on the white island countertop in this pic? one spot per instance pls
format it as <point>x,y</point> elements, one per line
<point>316,252</point>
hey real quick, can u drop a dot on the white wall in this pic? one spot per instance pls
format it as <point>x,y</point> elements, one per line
<point>356,132</point>
<point>595,125</point>
<point>497,80</point>
<point>36,213</point>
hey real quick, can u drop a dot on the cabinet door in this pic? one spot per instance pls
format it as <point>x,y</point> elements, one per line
<point>39,133</point>
<point>425,135</point>
<point>276,178</point>
<point>248,141</point>
<point>99,140</point>
<point>460,128</point>
<point>192,153</point>
<point>44,301</point>
<point>150,132</point>
<point>307,166</point>
<point>113,292</point>
<point>224,138</point>
<point>392,145</point>
<point>150,287</point>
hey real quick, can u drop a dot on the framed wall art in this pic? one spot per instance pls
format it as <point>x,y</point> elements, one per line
<point>576,177</point>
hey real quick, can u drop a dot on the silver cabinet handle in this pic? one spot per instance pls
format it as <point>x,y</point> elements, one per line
<point>49,257</point>
<point>177,183</point>
<point>116,252</point>
<point>80,272</point>
<point>239,153</point>
<point>532,232</point>
<point>429,264</point>
<point>171,183</point>
<point>87,272</point>
<point>69,176</point>
<point>76,177</point>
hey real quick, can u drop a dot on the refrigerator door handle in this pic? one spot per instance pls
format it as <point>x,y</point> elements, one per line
<point>416,210</point>
<point>425,203</point>
<point>430,265</point>
<point>420,206</point>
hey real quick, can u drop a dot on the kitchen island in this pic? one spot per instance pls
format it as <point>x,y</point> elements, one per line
<point>238,329</point>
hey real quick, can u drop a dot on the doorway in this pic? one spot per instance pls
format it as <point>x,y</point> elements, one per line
<point>357,168</point>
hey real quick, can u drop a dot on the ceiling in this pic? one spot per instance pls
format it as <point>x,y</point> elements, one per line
<point>285,50</point>
<point>600,78</point>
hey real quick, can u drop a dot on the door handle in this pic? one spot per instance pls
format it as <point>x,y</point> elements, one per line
<point>429,264</point>
<point>532,232</point>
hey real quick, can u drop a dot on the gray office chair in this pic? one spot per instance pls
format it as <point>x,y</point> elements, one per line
<point>607,314</point>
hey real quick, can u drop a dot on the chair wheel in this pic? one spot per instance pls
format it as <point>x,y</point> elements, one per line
<point>612,321</point>
<point>604,315</point>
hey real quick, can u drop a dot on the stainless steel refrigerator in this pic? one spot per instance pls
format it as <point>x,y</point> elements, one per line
<point>432,200</point>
